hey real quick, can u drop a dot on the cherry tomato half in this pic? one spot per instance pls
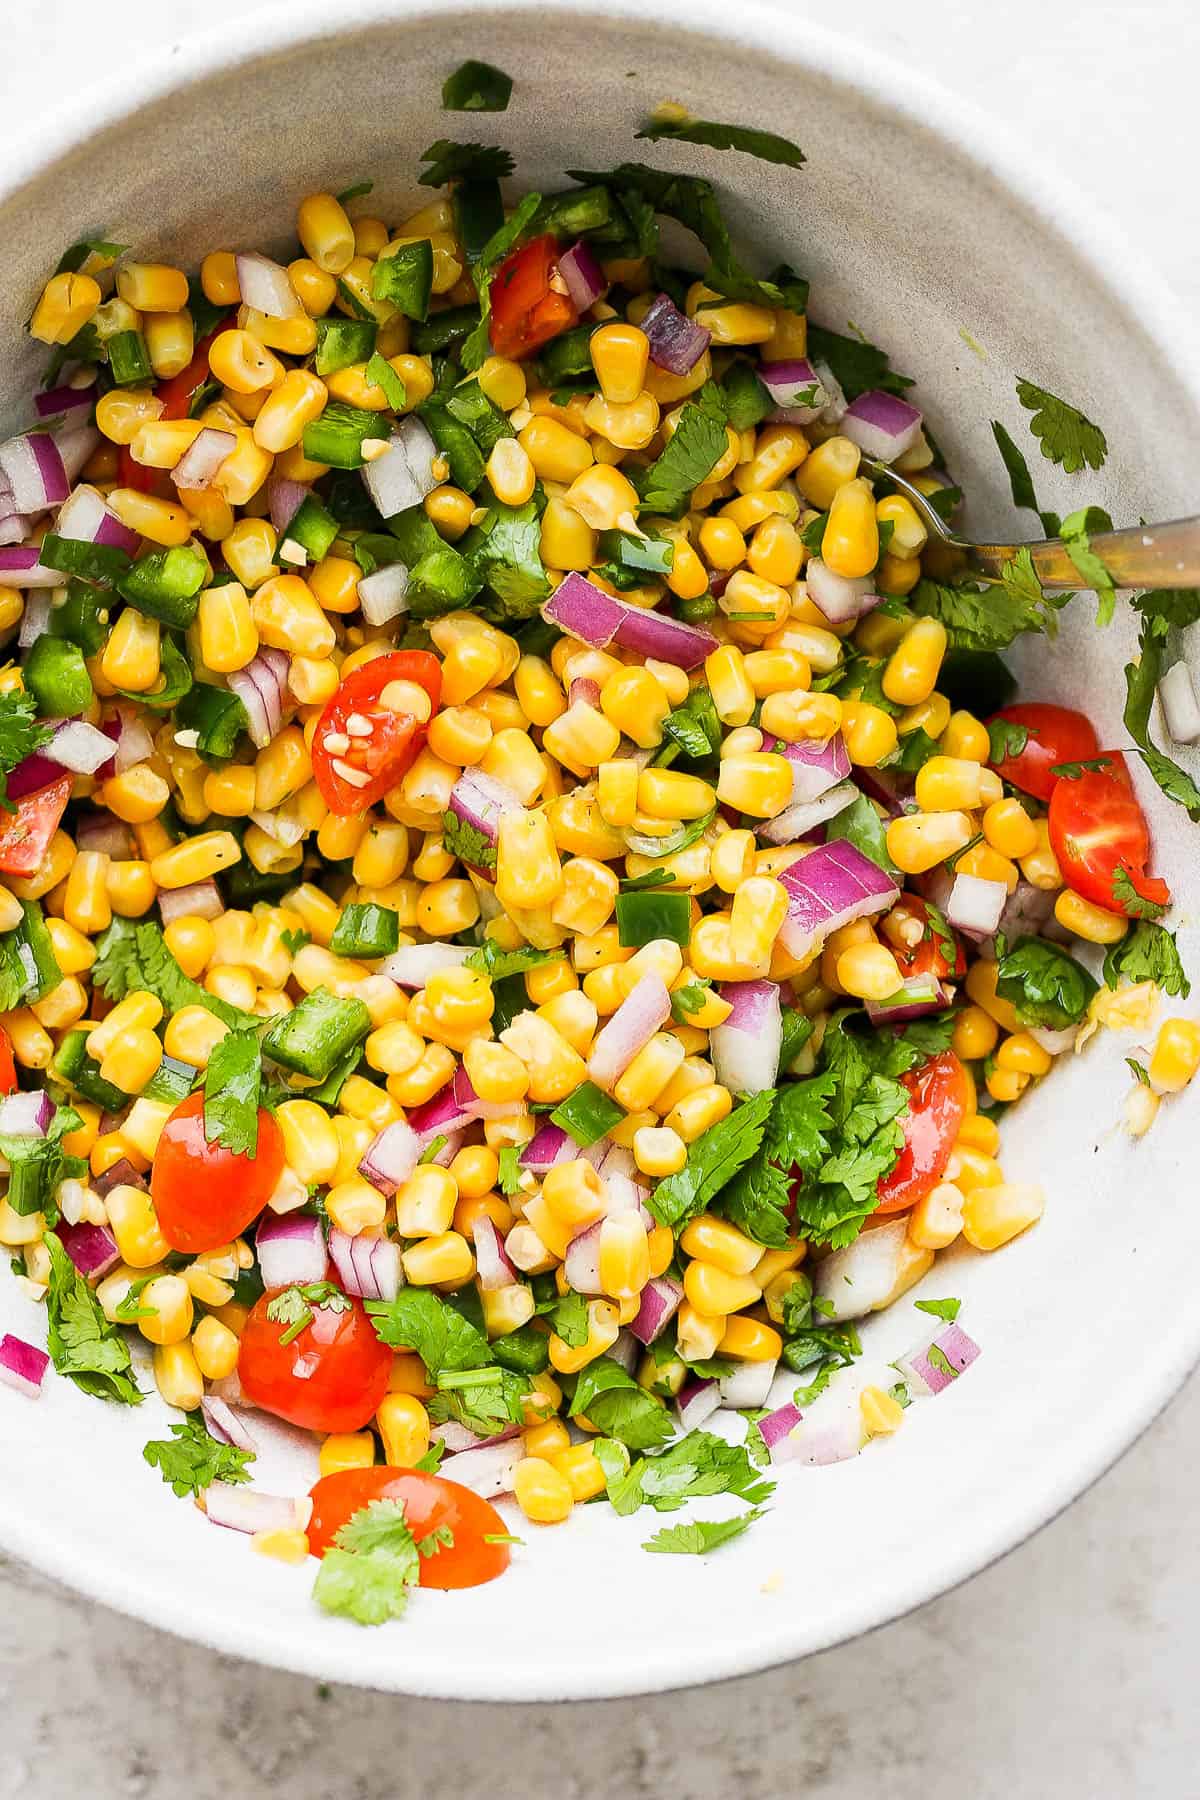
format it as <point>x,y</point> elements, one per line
<point>1097,827</point>
<point>25,835</point>
<point>929,956</point>
<point>8,1068</point>
<point>205,1194</point>
<point>330,1377</point>
<point>937,1106</point>
<point>430,1501</point>
<point>526,310</point>
<point>391,747</point>
<point>1056,735</point>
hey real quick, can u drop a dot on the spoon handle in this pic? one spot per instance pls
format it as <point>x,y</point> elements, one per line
<point>1140,556</point>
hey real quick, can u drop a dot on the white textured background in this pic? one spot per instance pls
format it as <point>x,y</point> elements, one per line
<point>1066,1670</point>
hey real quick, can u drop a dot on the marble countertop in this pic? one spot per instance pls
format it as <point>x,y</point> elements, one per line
<point>1066,1668</point>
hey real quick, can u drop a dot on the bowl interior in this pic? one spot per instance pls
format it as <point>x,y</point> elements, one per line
<point>914,225</point>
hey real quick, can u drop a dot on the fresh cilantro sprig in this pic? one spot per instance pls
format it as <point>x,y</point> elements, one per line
<point>462,839</point>
<point>619,1408</point>
<point>697,445</point>
<point>1006,738</point>
<point>698,1465</point>
<point>232,1092</point>
<point>1044,984</point>
<point>1067,437</point>
<point>21,733</point>
<point>766,145</point>
<point>713,1160</point>
<point>489,959</point>
<point>449,161</point>
<point>940,1309</point>
<point>190,1460</point>
<point>134,956</point>
<point>990,617</point>
<point>1020,480</point>
<point>698,1536</point>
<point>1076,532</point>
<point>857,365</point>
<point>296,1307</point>
<point>1131,903</point>
<point>1161,610</point>
<point>1073,771</point>
<point>81,1341</point>
<point>422,1321</point>
<point>368,1573</point>
<point>1147,953</point>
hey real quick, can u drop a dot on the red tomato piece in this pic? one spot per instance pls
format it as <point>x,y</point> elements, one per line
<point>177,396</point>
<point>1056,735</point>
<point>205,1194</point>
<point>929,956</point>
<point>25,835</point>
<point>430,1501</point>
<point>939,1093</point>
<point>1096,828</point>
<point>330,1377</point>
<point>395,738</point>
<point>8,1068</point>
<point>527,310</point>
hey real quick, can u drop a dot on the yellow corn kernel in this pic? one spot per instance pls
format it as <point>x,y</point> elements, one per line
<point>170,342</point>
<point>447,907</point>
<point>913,668</point>
<point>937,1220</point>
<point>326,232</point>
<point>288,617</point>
<point>950,784</point>
<point>992,1216</point>
<point>296,402</point>
<point>134,1224</point>
<point>503,382</point>
<point>693,1113</point>
<point>1009,829</point>
<point>346,1450</point>
<point>602,496</point>
<point>759,784</point>
<point>721,1244</point>
<point>636,703</point>
<point>964,736</point>
<point>425,1202</point>
<point>850,544</point>
<point>167,1306</point>
<point>759,909</point>
<point>131,655</point>
<point>177,1376</point>
<point>975,1034</point>
<point>528,870</point>
<point>556,452</point>
<point>870,733</point>
<point>131,1059</point>
<point>1095,924</point>
<point>404,1427</point>
<point>510,472</point>
<point>64,307</point>
<point>750,1340</point>
<point>315,289</point>
<point>603,1326</point>
<point>909,535</point>
<point>624,1256</point>
<point>658,1151</point>
<point>1176,1055</point>
<point>920,841</point>
<point>542,1492</point>
<point>195,859</point>
<point>869,972</point>
<point>446,1259</point>
<point>831,467</point>
<point>214,1346</point>
<point>649,1072</point>
<point>666,794</point>
<point>714,1293</point>
<point>981,987</point>
<point>620,354</point>
<point>1024,1054</point>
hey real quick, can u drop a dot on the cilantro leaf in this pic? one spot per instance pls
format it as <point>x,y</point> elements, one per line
<point>763,144</point>
<point>1141,683</point>
<point>476,87</point>
<point>449,161</point>
<point>1007,739</point>
<point>1072,771</point>
<point>509,1175</point>
<point>980,617</point>
<point>489,959</point>
<point>695,727</point>
<point>81,1341</point>
<point>462,839</point>
<point>424,1322</point>
<point>698,444</point>
<point>689,999</point>
<point>379,1525</point>
<point>294,1306</point>
<point>1045,985</point>
<point>38,1165</point>
<point>484,1400</point>
<point>940,1309</point>
<point>860,824</point>
<point>370,1588</point>
<point>132,956</point>
<point>190,1459</point>
<point>21,733</point>
<point>232,1091</point>
<point>618,1407</point>
<point>569,1317</point>
<point>756,1201</point>
<point>1147,953</point>
<point>913,751</point>
<point>713,1160</point>
<point>1167,607</point>
<point>698,1465</point>
<point>1020,480</point>
<point>857,365</point>
<point>1138,1070</point>
<point>699,1536</point>
<point>1066,436</point>
<point>1076,533</point>
<point>1133,904</point>
<point>505,553</point>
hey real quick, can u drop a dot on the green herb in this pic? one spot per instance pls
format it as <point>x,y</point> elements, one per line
<point>588,1114</point>
<point>1072,771</point>
<point>914,751</point>
<point>501,1537</point>
<point>478,343</point>
<point>434,1148</point>
<point>462,839</point>
<point>190,1460</point>
<point>81,1341</point>
<point>618,1407</point>
<point>489,959</point>
<point>1007,739</point>
<point>510,1169</point>
<point>1147,953</point>
<point>1066,436</point>
<point>1076,532</point>
<point>797,1029</point>
<point>747,401</point>
<point>294,1306</point>
<point>804,1396</point>
<point>1160,610</point>
<point>1046,986</point>
<point>1020,480</point>
<point>753,142</point>
<point>421,1320</point>
<point>128,1311</point>
<point>699,1536</point>
<point>1138,1070</point>
<point>1131,903</point>
<point>232,1090</point>
<point>505,554</point>
<point>694,726</point>
<point>825,1346</point>
<point>405,277</point>
<point>21,733</point>
<point>698,1465</point>
<point>569,1317</point>
<point>689,999</point>
<point>357,192</point>
<point>860,824</point>
<point>696,446</point>
<point>940,1309</point>
<point>428,1464</point>
<point>374,1563</point>
<point>856,365</point>
<point>476,87</point>
<point>38,1165</point>
<point>380,372</point>
<point>990,617</point>
<point>75,256</point>
<point>713,1160</point>
<point>644,917</point>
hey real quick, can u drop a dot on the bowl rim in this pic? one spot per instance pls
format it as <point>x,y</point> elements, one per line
<point>1146,297</point>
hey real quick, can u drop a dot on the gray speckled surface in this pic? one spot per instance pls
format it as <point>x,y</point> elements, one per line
<point>1065,1669</point>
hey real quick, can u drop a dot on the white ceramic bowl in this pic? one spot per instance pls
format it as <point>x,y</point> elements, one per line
<point>914,220</point>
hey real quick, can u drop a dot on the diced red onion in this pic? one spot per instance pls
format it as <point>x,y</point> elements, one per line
<point>629,1030</point>
<point>1026,911</point>
<point>202,458</point>
<point>816,767</point>
<point>860,1277</point>
<point>745,1047</point>
<point>34,772</point>
<point>76,440</point>
<point>698,1400</point>
<point>796,386</point>
<point>1181,710</point>
<point>122,1174</point>
<point>411,966</point>
<point>368,1267</point>
<point>85,518</point>
<point>581,1264</point>
<point>583,692</point>
<point>829,887</point>
<point>488,1471</point>
<point>247,1509</point>
<point>33,467</point>
<point>285,498</point>
<point>22,1365</point>
<point>550,1144</point>
<point>583,275</point>
<point>493,1267</point>
<point>796,821</point>
<point>924,1376</point>
<point>441,1114</point>
<point>26,1115</point>
<point>290,1250</point>
<point>224,1423</point>
<point>404,476</point>
<point>975,905</point>
<point>389,1160</point>
<point>21,567</point>
<point>624,1350</point>
<point>881,424</point>
<point>92,1248</point>
<point>660,1301</point>
<point>777,1428</point>
<point>842,598</point>
<point>104,832</point>
<point>198,900</point>
<point>585,611</point>
<point>676,342</point>
<point>52,402</point>
<point>833,1430</point>
<point>383,595</point>
<point>481,801</point>
<point>835,411</point>
<point>14,528</point>
<point>1054,1043</point>
<point>260,687</point>
<point>79,747</point>
<point>749,1385</point>
<point>915,998</point>
<point>134,744</point>
<point>267,287</point>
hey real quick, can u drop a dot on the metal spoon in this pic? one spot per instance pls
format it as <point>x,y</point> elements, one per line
<point>1140,556</point>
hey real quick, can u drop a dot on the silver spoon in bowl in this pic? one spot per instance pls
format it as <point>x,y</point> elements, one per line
<point>1139,556</point>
